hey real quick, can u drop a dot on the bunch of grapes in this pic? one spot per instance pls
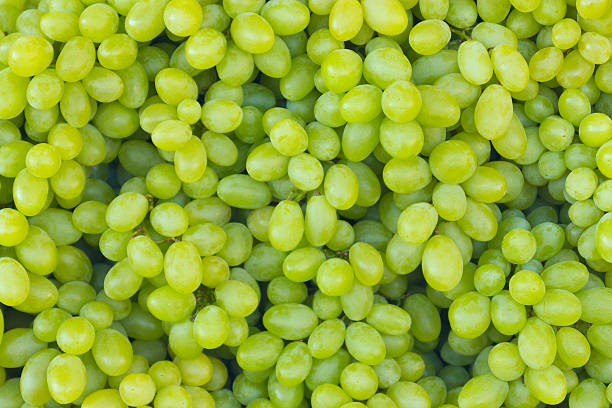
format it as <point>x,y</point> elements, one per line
<point>305,203</point>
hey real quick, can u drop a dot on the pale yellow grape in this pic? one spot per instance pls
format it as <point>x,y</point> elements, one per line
<point>442,263</point>
<point>401,101</point>
<point>429,36</point>
<point>345,19</point>
<point>387,17</point>
<point>510,68</point>
<point>548,384</point>
<point>417,222</point>
<point>493,112</point>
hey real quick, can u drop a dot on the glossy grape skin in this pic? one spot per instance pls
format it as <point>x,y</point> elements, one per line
<point>345,19</point>
<point>119,360</point>
<point>66,378</point>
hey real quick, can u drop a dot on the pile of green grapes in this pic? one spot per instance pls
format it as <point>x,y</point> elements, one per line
<point>305,203</point>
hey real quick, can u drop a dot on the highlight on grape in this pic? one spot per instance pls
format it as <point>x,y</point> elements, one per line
<point>305,203</point>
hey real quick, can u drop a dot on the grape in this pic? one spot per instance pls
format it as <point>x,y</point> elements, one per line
<point>283,195</point>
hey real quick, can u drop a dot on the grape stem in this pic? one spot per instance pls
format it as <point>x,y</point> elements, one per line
<point>296,195</point>
<point>461,33</point>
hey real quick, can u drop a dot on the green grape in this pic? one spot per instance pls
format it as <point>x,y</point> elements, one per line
<point>406,393</point>
<point>357,302</point>
<point>237,298</point>
<point>15,282</point>
<point>361,104</point>
<point>180,305</point>
<point>442,272</point>
<point>341,70</point>
<point>387,17</point>
<point>183,267</point>
<point>326,339</point>
<point>426,323</point>
<point>30,55</point>
<point>359,381</point>
<point>65,378</point>
<point>469,315</point>
<point>75,335</point>
<point>33,382</point>
<point>99,314</point>
<point>384,66</point>
<point>364,343</point>
<point>259,351</point>
<point>493,112</point>
<point>547,385</point>
<point>430,36</point>
<point>211,327</point>
<point>282,290</point>
<point>252,33</point>
<point>565,305</point>
<point>484,389</point>
<point>571,339</point>
<point>439,108</point>
<point>345,19</point>
<point>389,319</point>
<point>43,295</point>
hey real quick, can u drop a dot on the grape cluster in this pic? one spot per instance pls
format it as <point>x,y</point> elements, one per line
<point>305,203</point>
